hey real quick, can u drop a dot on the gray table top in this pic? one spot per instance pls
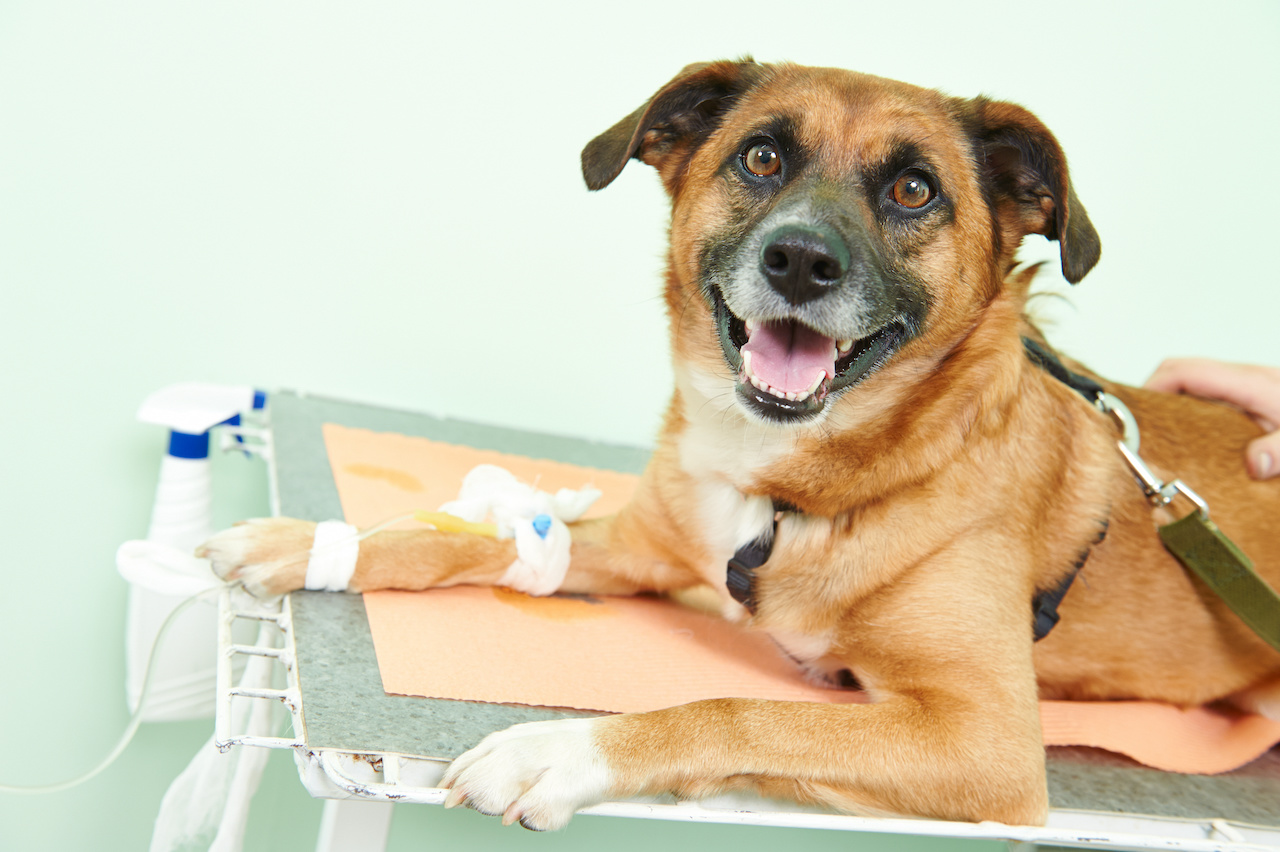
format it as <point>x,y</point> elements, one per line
<point>345,708</point>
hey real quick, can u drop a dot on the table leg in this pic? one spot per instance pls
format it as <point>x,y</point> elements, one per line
<point>353,825</point>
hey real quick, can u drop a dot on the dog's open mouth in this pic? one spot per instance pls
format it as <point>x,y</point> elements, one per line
<point>787,370</point>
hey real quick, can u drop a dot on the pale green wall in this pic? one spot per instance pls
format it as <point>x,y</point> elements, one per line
<point>380,201</point>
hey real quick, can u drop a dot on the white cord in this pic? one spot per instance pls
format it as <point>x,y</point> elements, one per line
<point>134,722</point>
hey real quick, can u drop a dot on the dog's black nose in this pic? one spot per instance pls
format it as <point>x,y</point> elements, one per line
<point>803,262</point>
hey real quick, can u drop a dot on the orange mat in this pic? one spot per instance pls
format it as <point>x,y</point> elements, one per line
<point>628,654</point>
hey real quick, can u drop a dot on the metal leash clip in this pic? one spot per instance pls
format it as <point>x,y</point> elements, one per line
<point>1157,491</point>
<point>1196,541</point>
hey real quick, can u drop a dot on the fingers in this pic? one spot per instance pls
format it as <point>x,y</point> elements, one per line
<point>1254,388</point>
<point>1263,455</point>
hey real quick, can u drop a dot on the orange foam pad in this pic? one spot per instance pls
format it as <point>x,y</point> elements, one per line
<point>633,654</point>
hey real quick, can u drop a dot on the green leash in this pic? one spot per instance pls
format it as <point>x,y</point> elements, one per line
<point>1214,558</point>
<point>1197,542</point>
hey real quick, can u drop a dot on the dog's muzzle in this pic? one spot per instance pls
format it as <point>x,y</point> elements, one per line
<point>804,315</point>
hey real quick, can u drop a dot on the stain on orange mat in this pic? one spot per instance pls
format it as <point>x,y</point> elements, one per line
<point>398,478</point>
<point>561,608</point>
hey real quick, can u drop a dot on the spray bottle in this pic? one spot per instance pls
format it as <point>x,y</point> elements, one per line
<point>162,570</point>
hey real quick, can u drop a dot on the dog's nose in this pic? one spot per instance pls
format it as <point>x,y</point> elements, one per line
<point>803,262</point>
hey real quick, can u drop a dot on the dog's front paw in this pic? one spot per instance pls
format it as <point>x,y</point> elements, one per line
<point>268,555</point>
<point>538,773</point>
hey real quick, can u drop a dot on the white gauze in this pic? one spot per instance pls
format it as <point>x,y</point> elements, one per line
<point>333,557</point>
<point>535,519</point>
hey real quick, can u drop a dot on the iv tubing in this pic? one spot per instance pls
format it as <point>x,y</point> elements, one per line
<point>134,722</point>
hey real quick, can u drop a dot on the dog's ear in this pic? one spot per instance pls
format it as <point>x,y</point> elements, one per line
<point>1027,173</point>
<point>669,127</point>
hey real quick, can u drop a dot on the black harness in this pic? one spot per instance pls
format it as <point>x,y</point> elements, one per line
<point>1045,603</point>
<point>740,576</point>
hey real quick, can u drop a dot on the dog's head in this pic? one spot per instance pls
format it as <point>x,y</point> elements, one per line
<point>827,223</point>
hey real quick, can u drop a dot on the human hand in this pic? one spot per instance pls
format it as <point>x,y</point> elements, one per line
<point>1253,388</point>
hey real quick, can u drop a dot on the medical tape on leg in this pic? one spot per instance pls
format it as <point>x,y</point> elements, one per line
<point>333,557</point>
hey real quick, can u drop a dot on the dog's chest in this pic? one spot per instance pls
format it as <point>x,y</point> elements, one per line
<point>724,455</point>
<point>729,521</point>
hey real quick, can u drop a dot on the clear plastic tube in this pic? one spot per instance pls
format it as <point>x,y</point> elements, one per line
<point>134,722</point>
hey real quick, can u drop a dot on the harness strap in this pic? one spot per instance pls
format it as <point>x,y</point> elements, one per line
<point>1047,361</point>
<point>740,576</point>
<point>1195,540</point>
<point>1044,606</point>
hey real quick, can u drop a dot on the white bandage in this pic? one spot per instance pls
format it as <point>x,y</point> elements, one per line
<point>542,561</point>
<point>333,557</point>
<point>542,545</point>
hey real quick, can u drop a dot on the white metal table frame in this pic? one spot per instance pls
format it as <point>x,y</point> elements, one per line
<point>360,787</point>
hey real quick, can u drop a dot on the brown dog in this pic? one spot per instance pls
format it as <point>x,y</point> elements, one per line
<point>847,333</point>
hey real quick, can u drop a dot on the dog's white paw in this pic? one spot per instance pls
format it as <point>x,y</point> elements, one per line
<point>268,555</point>
<point>538,773</point>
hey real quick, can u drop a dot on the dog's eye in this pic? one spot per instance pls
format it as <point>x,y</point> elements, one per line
<point>913,191</point>
<point>762,159</point>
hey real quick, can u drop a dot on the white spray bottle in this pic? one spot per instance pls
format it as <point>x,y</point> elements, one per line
<point>162,570</point>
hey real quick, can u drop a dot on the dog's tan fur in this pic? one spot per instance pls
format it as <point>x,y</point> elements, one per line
<point>935,497</point>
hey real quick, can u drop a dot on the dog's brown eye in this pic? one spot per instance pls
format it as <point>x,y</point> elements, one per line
<point>913,191</point>
<point>762,159</point>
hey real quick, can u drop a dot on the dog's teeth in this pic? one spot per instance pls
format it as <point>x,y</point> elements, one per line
<point>746,361</point>
<point>814,387</point>
<point>793,396</point>
<point>844,346</point>
<point>752,325</point>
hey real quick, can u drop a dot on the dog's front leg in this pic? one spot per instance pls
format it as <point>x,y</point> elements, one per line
<point>902,756</point>
<point>953,731</point>
<point>605,558</point>
<point>614,555</point>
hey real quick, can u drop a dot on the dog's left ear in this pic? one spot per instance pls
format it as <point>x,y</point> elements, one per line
<point>1027,171</point>
<point>671,125</point>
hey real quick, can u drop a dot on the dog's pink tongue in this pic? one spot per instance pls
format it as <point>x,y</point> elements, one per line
<point>790,356</point>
